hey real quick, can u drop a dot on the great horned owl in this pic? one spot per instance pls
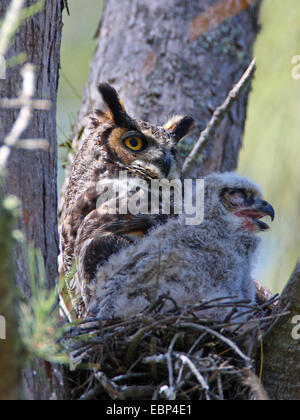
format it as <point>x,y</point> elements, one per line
<point>189,263</point>
<point>116,143</point>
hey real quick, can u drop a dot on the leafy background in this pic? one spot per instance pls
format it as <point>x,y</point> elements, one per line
<point>270,155</point>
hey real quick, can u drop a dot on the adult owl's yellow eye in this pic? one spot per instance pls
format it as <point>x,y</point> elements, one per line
<point>134,142</point>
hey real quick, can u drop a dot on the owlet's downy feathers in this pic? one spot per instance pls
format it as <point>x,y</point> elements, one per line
<point>189,264</point>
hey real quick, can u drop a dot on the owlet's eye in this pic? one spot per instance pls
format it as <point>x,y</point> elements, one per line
<point>134,141</point>
<point>235,197</point>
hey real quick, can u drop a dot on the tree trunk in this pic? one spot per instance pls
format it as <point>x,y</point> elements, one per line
<point>175,57</point>
<point>32,174</point>
<point>281,373</point>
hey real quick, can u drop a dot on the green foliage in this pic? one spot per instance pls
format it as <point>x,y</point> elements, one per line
<point>17,60</point>
<point>9,212</point>
<point>10,349</point>
<point>30,11</point>
<point>40,326</point>
<point>271,144</point>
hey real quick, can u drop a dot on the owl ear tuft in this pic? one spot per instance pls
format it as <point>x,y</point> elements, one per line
<point>116,108</point>
<point>180,126</point>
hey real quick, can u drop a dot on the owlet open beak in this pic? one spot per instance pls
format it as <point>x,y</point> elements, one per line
<point>257,211</point>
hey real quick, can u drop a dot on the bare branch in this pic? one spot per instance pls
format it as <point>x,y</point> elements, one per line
<point>39,104</point>
<point>117,392</point>
<point>217,118</point>
<point>27,104</point>
<point>31,144</point>
<point>221,337</point>
<point>23,120</point>
<point>186,361</point>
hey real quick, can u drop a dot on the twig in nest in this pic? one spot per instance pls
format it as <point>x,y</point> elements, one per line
<point>186,361</point>
<point>216,119</point>
<point>171,389</point>
<point>221,337</point>
<point>117,392</point>
<point>139,336</point>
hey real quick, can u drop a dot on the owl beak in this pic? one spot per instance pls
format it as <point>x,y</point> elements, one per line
<point>265,209</point>
<point>257,211</point>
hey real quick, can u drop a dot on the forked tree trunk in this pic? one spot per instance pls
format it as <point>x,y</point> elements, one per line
<point>32,174</point>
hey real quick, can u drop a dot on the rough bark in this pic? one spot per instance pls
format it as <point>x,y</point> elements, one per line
<point>32,174</point>
<point>281,369</point>
<point>176,57</point>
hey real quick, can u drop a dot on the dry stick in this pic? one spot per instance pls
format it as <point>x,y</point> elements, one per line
<point>27,104</point>
<point>186,361</point>
<point>229,343</point>
<point>116,392</point>
<point>170,365</point>
<point>216,119</point>
<point>39,104</point>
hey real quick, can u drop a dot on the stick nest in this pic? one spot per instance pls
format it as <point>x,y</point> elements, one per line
<point>179,355</point>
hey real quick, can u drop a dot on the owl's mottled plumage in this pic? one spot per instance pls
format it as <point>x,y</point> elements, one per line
<point>188,263</point>
<point>88,236</point>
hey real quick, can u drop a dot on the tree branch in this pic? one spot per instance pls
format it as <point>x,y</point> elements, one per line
<point>27,104</point>
<point>216,119</point>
